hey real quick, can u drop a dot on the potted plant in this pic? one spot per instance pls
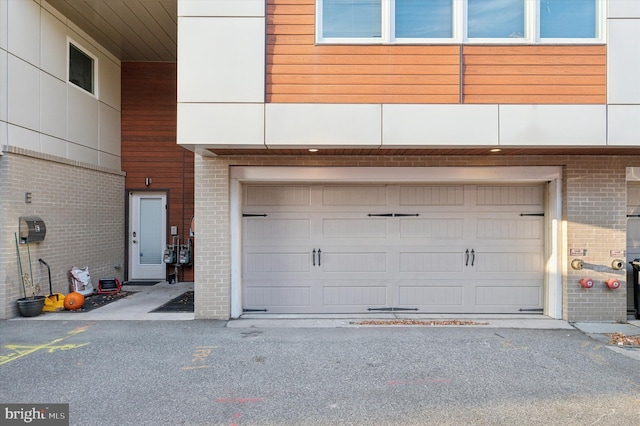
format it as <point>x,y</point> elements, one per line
<point>31,304</point>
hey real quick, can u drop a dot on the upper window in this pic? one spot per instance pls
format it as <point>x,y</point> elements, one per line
<point>458,21</point>
<point>82,67</point>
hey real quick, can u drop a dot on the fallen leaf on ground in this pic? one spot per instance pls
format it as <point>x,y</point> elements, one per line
<point>622,339</point>
<point>417,322</point>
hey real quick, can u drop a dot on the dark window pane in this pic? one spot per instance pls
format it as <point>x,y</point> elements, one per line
<point>80,69</point>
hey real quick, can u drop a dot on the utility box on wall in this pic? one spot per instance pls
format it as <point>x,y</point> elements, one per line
<point>32,229</point>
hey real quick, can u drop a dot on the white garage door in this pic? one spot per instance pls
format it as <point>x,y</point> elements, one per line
<point>423,248</point>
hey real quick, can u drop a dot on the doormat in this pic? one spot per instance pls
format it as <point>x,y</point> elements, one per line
<point>182,303</point>
<point>96,301</point>
<point>140,282</point>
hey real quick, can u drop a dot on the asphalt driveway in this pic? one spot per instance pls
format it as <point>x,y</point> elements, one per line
<point>205,373</point>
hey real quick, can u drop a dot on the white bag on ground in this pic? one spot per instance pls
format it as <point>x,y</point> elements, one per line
<point>81,281</point>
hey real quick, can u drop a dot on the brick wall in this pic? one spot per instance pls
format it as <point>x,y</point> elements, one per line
<point>594,218</point>
<point>83,209</point>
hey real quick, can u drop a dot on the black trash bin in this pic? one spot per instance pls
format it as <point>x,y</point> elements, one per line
<point>636,287</point>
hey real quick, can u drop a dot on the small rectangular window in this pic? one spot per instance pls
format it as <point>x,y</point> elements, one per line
<point>81,69</point>
<point>424,19</point>
<point>568,19</point>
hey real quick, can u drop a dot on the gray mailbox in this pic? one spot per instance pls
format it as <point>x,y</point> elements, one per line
<point>32,229</point>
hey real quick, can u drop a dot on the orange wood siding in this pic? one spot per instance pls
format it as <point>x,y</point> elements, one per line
<point>299,71</point>
<point>535,74</point>
<point>149,149</point>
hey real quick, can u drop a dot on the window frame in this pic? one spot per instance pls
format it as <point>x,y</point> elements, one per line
<point>94,71</point>
<point>460,36</point>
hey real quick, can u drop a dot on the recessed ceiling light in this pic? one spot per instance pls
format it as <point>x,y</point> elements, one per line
<point>495,150</point>
<point>313,149</point>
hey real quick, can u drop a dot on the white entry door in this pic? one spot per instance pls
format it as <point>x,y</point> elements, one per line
<point>147,235</point>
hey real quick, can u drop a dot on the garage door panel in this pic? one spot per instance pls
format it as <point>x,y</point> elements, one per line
<point>362,296</point>
<point>354,228</point>
<point>267,229</point>
<point>510,229</point>
<point>429,294</point>
<point>278,262</point>
<point>355,195</point>
<point>433,227</point>
<point>518,196</point>
<point>509,262</point>
<point>277,296</point>
<point>431,262</point>
<point>520,297</point>
<point>349,262</point>
<point>465,248</point>
<point>431,195</point>
<point>277,195</point>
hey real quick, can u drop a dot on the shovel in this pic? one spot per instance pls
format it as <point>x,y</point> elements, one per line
<point>53,302</point>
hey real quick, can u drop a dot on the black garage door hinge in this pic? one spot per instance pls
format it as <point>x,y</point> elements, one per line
<point>253,215</point>
<point>532,214</point>
<point>255,310</point>
<point>392,309</point>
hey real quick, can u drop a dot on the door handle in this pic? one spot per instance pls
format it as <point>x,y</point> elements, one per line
<point>134,241</point>
<point>466,254</point>
<point>473,256</point>
<point>313,257</point>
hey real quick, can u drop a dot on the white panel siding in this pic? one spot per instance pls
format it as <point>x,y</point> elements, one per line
<point>3,81</point>
<point>221,60</point>
<point>553,125</point>
<point>109,130</point>
<point>221,8</point>
<point>54,46</point>
<point>109,81</point>
<point>54,146</point>
<point>624,124</point>
<point>23,138</point>
<point>82,119</point>
<point>24,30</point>
<point>624,9</point>
<point>3,24</point>
<point>222,125</point>
<point>440,125</point>
<point>23,95</point>
<point>344,125</point>
<point>623,62</point>
<point>53,106</point>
